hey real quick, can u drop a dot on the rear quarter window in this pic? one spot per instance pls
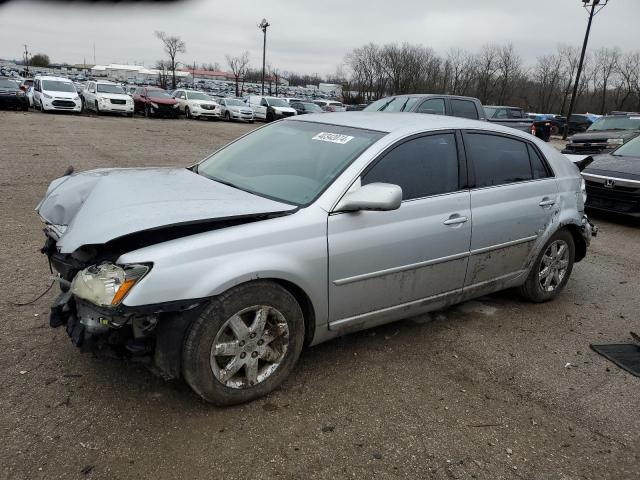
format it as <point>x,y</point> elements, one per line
<point>464,109</point>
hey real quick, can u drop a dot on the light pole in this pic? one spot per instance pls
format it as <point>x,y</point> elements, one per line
<point>592,7</point>
<point>263,26</point>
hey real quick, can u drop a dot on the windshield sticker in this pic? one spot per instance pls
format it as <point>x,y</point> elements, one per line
<point>333,138</point>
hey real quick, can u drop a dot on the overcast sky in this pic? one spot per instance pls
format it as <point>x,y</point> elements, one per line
<point>305,36</point>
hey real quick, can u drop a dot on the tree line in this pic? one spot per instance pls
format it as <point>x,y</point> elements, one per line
<point>497,75</point>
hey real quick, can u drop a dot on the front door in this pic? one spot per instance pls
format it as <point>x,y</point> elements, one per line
<point>388,265</point>
<point>514,200</point>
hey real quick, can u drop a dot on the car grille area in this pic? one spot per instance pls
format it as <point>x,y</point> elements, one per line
<point>64,103</point>
<point>116,101</point>
<point>621,199</point>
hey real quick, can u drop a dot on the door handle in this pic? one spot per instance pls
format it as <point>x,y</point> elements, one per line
<point>547,202</point>
<point>455,219</point>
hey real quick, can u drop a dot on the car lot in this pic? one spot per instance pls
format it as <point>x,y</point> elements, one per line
<point>495,388</point>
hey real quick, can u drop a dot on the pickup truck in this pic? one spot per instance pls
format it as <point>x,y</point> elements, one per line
<point>516,118</point>
<point>451,105</point>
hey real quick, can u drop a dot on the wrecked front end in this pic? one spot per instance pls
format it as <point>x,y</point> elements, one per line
<point>93,218</point>
<point>90,308</point>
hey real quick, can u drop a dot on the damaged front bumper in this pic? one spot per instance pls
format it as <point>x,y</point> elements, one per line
<point>150,334</point>
<point>588,230</point>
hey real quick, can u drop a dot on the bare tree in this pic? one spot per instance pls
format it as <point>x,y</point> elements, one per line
<point>606,64</point>
<point>163,68</point>
<point>509,71</point>
<point>487,62</point>
<point>238,66</point>
<point>172,46</point>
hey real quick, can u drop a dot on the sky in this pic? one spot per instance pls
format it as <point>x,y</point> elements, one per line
<point>305,36</point>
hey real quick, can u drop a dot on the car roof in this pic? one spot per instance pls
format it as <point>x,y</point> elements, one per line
<point>399,122</point>
<point>503,106</point>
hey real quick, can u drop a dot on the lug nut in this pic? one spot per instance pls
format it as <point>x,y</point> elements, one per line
<point>242,355</point>
<point>241,343</point>
<point>252,335</point>
<point>254,354</point>
<point>260,342</point>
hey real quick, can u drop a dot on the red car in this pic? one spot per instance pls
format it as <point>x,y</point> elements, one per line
<point>154,102</point>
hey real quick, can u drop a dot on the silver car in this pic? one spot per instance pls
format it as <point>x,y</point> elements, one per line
<point>302,231</point>
<point>235,109</point>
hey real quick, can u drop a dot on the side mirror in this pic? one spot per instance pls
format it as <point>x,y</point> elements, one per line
<point>374,196</point>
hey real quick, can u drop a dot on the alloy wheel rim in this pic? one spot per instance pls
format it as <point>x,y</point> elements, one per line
<point>554,265</point>
<point>249,347</point>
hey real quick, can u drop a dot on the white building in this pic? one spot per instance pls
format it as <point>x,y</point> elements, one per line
<point>131,73</point>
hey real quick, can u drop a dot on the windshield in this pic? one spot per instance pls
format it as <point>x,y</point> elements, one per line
<point>7,84</point>
<point>198,96</point>
<point>615,123</point>
<point>291,161</point>
<point>311,107</point>
<point>393,104</point>
<point>629,149</point>
<point>277,102</point>
<point>58,86</point>
<point>158,94</point>
<point>106,88</point>
<point>230,102</point>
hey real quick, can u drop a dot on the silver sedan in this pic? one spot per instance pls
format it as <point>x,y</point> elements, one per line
<point>302,231</point>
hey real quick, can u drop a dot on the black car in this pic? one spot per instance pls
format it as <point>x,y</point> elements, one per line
<point>604,135</point>
<point>579,123</point>
<point>305,107</point>
<point>11,95</point>
<point>613,180</point>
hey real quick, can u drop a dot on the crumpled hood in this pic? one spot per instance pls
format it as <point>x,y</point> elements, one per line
<point>615,166</point>
<point>97,206</point>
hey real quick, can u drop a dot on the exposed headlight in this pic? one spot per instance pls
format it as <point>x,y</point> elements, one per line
<point>154,105</point>
<point>583,189</point>
<point>47,96</point>
<point>177,105</point>
<point>107,284</point>
<point>615,141</point>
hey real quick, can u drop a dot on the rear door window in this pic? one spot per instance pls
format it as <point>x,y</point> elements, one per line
<point>422,167</point>
<point>497,160</point>
<point>464,109</point>
<point>538,166</point>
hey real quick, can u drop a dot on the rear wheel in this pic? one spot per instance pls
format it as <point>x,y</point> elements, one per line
<point>552,269</point>
<point>244,344</point>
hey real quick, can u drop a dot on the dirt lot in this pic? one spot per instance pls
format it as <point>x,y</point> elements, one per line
<point>482,391</point>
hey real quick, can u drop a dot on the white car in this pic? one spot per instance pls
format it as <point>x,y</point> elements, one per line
<point>234,109</point>
<point>103,96</point>
<point>330,105</point>
<point>55,93</point>
<point>270,108</point>
<point>195,104</point>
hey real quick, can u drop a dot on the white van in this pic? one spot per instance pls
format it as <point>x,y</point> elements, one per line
<point>270,108</point>
<point>55,93</point>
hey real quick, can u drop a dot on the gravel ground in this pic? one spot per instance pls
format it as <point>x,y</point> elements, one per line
<point>477,391</point>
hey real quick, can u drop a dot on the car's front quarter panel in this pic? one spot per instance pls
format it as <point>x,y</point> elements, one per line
<point>292,248</point>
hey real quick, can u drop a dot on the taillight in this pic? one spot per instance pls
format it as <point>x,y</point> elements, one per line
<point>533,130</point>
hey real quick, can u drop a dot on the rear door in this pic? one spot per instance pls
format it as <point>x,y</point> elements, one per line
<point>464,108</point>
<point>384,265</point>
<point>433,106</point>
<point>514,196</point>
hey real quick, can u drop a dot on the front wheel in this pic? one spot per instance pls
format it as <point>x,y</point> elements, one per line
<point>244,344</point>
<point>187,112</point>
<point>552,269</point>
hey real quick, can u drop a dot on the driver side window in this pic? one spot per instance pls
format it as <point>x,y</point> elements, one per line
<point>263,103</point>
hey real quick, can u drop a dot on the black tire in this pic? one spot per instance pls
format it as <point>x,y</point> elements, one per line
<point>147,111</point>
<point>187,112</point>
<point>196,360</point>
<point>97,107</point>
<point>130,115</point>
<point>270,117</point>
<point>227,116</point>
<point>251,121</point>
<point>532,289</point>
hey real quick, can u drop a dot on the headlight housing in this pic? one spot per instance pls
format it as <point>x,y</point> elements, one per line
<point>583,189</point>
<point>154,105</point>
<point>615,141</point>
<point>107,284</point>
